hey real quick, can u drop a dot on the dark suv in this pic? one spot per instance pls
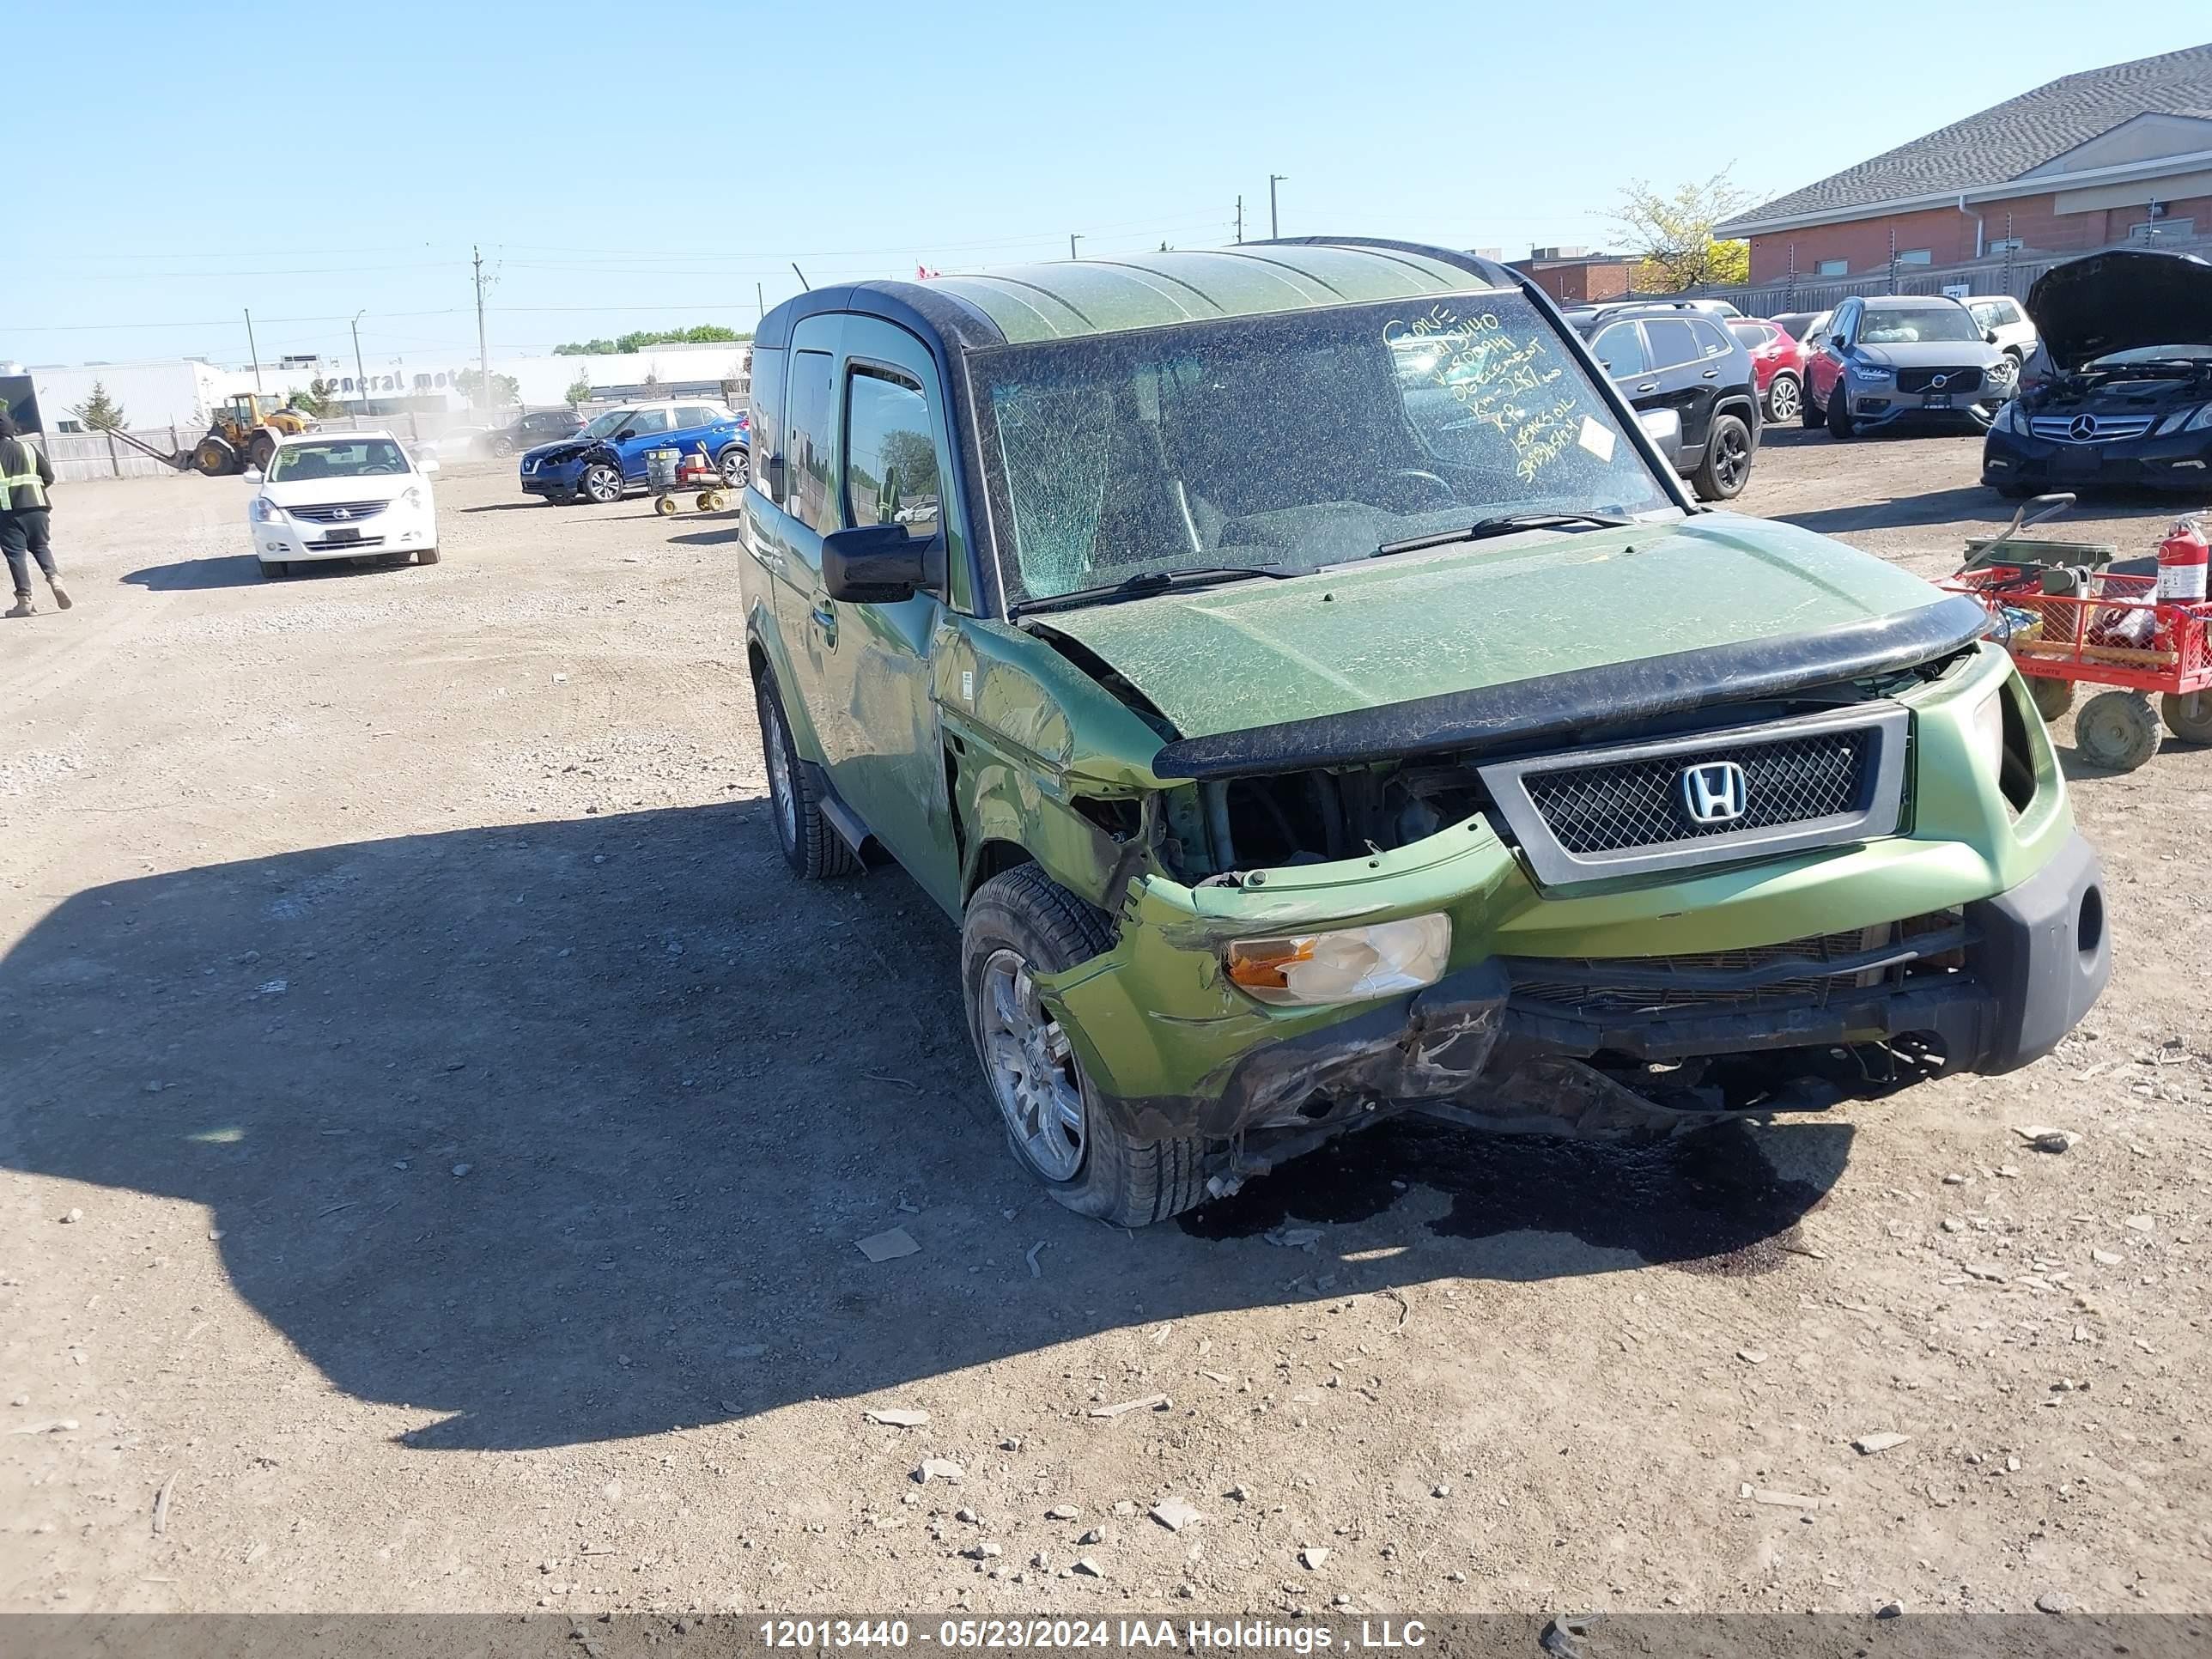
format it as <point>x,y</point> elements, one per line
<point>1674,356</point>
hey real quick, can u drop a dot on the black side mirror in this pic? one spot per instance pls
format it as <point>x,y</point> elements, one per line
<point>773,474</point>
<point>626,434</point>
<point>874,564</point>
<point>1990,336</point>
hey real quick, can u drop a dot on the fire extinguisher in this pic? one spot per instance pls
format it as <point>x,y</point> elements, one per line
<point>2182,558</point>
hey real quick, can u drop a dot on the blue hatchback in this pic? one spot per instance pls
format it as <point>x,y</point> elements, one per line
<point>608,456</point>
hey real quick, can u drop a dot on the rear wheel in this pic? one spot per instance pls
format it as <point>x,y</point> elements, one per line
<point>2188,716</point>
<point>1019,926</point>
<point>1721,475</point>
<point>273,570</point>
<point>502,446</point>
<point>1785,398</point>
<point>2116,731</point>
<point>737,467</point>
<point>813,849</point>
<point>259,448</point>
<point>2051,697</point>
<point>665,506</point>
<point>1810,415</point>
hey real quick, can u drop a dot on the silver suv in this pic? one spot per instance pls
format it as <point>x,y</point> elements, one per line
<point>1904,356</point>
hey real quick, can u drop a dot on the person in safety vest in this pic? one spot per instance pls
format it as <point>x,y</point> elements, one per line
<point>24,473</point>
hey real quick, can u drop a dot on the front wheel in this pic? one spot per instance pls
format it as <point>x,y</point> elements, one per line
<point>2116,731</point>
<point>1020,925</point>
<point>1786,398</point>
<point>1722,474</point>
<point>274,570</point>
<point>1840,424</point>
<point>426,556</point>
<point>1810,415</point>
<point>603,483</point>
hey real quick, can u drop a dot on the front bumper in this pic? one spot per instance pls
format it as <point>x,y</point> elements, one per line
<point>1171,1049</point>
<point>2017,460</point>
<point>552,478</point>
<point>382,535</point>
<point>1880,406</point>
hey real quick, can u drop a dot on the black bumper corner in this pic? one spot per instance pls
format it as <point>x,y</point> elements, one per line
<point>2043,951</point>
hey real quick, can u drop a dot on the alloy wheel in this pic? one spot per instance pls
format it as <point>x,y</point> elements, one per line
<point>603,483</point>
<point>1784,399</point>
<point>736,468</point>
<point>1032,1067</point>
<point>782,795</point>
<point>1733,461</point>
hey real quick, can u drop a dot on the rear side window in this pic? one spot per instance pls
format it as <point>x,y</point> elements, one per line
<point>696,414</point>
<point>1620,350</point>
<point>1753,334</point>
<point>1711,342</point>
<point>807,441</point>
<point>890,459</point>
<point>767,407</point>
<point>1671,343</point>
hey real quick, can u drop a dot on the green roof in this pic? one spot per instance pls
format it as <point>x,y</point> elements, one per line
<point>1073,297</point>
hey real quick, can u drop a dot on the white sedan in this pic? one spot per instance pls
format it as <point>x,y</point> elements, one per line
<point>343,495</point>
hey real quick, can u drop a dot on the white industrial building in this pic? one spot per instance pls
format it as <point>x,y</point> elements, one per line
<point>182,392</point>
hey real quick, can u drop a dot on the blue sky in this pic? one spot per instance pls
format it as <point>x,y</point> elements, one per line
<point>311,160</point>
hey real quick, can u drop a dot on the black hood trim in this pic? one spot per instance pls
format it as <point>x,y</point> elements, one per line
<point>2119,301</point>
<point>1558,705</point>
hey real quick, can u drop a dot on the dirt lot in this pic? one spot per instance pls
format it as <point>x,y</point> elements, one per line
<point>436,1130</point>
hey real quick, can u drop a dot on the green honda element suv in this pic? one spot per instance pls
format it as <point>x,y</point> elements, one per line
<point>1306,685</point>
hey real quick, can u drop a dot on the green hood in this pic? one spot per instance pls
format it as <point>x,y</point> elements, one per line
<point>1419,625</point>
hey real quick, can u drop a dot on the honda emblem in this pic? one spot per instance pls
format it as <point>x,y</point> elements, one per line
<point>1713,793</point>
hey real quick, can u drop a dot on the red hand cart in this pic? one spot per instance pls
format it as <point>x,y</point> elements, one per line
<point>2069,623</point>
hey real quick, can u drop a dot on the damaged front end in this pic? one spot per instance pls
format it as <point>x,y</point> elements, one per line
<point>1573,952</point>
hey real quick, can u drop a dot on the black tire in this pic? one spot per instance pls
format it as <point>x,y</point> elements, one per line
<point>2116,731</point>
<point>2051,697</point>
<point>2189,728</point>
<point>1127,1181</point>
<point>737,467</point>
<point>1785,396</point>
<point>2012,492</point>
<point>813,849</point>
<point>426,556</point>
<point>1726,468</point>
<point>1840,424</point>
<point>274,570</point>
<point>559,498</point>
<point>259,448</point>
<point>1810,415</point>
<point>602,483</point>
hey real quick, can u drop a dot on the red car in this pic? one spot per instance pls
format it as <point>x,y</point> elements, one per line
<point>1779,363</point>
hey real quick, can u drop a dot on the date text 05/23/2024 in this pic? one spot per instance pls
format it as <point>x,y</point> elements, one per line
<point>1197,1635</point>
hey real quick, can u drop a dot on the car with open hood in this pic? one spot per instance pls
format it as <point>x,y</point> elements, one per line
<point>1300,676</point>
<point>1904,357</point>
<point>2119,392</point>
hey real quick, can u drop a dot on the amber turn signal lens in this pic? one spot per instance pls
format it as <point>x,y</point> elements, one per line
<point>1348,964</point>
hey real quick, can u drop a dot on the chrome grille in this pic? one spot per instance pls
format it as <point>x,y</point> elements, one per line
<point>339,512</point>
<point>1962,379</point>
<point>1641,802</point>
<point>2088,429</point>
<point>1715,797</point>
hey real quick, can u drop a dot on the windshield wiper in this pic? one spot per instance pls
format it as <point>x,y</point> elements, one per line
<point>1503,524</point>
<point>1144,584</point>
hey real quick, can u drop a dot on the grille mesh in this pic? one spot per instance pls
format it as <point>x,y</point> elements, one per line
<point>337,511</point>
<point>1595,997</point>
<point>1638,803</point>
<point>1954,379</point>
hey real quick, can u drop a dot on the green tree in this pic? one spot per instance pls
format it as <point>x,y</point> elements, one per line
<point>470,383</point>
<point>320,399</point>
<point>639,339</point>
<point>99,412</point>
<point>1673,234</point>
<point>578,392</point>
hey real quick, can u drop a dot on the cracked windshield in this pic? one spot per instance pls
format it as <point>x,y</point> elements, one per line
<point>1289,442</point>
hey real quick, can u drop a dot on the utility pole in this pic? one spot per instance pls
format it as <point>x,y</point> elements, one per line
<point>360,374</point>
<point>254,352</point>
<point>1274,229</point>
<point>483,352</point>
<point>1073,239</point>
<point>1240,215</point>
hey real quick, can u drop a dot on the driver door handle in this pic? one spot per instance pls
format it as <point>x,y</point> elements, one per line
<point>1712,375</point>
<point>1648,385</point>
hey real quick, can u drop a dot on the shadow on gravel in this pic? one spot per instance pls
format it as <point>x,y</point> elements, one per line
<point>1974,505</point>
<point>562,1132</point>
<point>232,570</point>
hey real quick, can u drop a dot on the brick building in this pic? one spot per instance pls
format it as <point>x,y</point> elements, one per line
<point>2110,156</point>
<point>1575,276</point>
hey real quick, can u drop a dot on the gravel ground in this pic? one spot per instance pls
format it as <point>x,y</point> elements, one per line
<point>436,1132</point>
